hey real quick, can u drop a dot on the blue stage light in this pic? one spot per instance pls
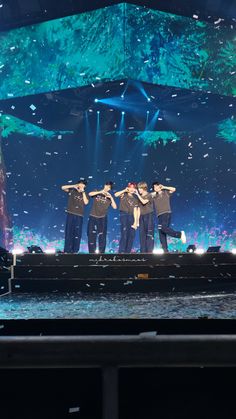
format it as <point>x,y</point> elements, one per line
<point>149,99</point>
<point>122,112</point>
<point>98,111</point>
<point>96,100</point>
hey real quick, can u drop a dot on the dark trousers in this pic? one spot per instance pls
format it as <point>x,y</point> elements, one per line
<point>146,225</point>
<point>127,232</point>
<point>165,230</point>
<point>97,229</point>
<point>73,233</point>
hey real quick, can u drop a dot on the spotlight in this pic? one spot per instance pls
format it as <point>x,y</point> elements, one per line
<point>191,248</point>
<point>158,251</point>
<point>17,251</point>
<point>122,112</point>
<point>148,111</point>
<point>233,251</point>
<point>96,100</point>
<point>199,251</point>
<point>34,249</point>
<point>96,251</point>
<point>122,96</point>
<point>213,249</point>
<point>98,112</point>
<point>149,99</point>
<point>50,251</point>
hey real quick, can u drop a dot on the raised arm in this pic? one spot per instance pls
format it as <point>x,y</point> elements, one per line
<point>113,203</point>
<point>94,193</point>
<point>144,201</point>
<point>171,189</point>
<point>66,188</point>
<point>85,198</point>
<point>118,194</point>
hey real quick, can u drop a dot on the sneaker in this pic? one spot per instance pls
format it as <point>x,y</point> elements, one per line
<point>183,237</point>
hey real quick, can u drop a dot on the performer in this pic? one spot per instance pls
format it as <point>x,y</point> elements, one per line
<point>97,224</point>
<point>128,201</point>
<point>146,218</point>
<point>75,210</point>
<point>161,199</point>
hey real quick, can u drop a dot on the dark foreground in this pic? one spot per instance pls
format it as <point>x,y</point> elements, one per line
<point>123,369</point>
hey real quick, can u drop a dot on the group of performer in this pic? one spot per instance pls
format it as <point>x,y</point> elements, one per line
<point>137,209</point>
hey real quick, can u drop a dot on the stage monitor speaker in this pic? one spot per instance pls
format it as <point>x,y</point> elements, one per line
<point>213,249</point>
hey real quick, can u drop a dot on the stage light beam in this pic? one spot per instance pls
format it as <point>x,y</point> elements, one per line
<point>17,251</point>
<point>158,251</point>
<point>50,251</point>
<point>199,251</point>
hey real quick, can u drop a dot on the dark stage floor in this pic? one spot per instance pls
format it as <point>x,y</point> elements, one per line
<point>124,273</point>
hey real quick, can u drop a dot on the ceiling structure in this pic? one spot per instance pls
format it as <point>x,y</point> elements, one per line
<point>178,109</point>
<point>16,13</point>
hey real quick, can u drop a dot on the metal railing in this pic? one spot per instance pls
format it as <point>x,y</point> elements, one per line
<point>113,352</point>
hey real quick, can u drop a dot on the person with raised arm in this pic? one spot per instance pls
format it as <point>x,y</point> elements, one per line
<point>128,203</point>
<point>146,220</point>
<point>161,197</point>
<point>97,224</point>
<point>75,211</point>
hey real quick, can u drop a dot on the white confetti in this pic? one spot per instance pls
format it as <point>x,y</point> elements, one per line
<point>74,409</point>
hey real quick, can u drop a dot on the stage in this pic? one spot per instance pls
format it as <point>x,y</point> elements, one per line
<point>123,273</point>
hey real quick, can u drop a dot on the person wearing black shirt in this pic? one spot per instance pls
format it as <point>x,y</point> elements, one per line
<point>146,221</point>
<point>128,201</point>
<point>75,211</point>
<point>97,224</point>
<point>161,199</point>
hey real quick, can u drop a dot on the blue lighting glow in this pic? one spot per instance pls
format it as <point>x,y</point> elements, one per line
<point>141,89</point>
<point>153,121</point>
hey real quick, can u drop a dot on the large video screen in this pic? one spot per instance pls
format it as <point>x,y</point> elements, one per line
<point>121,41</point>
<point>178,129</point>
